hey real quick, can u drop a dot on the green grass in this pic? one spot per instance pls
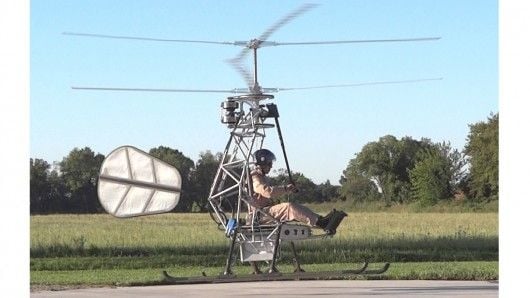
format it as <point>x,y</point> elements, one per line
<point>103,250</point>
<point>445,206</point>
<point>72,234</point>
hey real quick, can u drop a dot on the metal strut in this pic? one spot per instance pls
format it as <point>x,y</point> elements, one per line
<point>228,267</point>
<point>276,250</point>
<point>283,150</point>
<point>296,263</point>
<point>273,110</point>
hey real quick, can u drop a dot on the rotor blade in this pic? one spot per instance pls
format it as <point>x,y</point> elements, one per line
<point>246,90</point>
<point>286,19</point>
<point>152,39</point>
<point>236,90</point>
<point>237,62</point>
<point>271,43</point>
<point>268,90</point>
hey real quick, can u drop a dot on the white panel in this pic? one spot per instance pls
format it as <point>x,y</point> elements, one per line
<point>257,251</point>
<point>108,192</point>
<point>116,164</point>
<point>295,232</point>
<point>163,200</point>
<point>134,202</point>
<point>166,175</point>
<point>141,167</point>
<point>133,183</point>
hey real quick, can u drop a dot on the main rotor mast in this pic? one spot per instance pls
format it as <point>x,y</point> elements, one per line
<point>256,87</point>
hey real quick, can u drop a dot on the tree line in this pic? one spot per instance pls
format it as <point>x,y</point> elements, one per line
<point>390,170</point>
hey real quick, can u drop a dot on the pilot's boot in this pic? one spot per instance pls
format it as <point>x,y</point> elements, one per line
<point>322,221</point>
<point>334,221</point>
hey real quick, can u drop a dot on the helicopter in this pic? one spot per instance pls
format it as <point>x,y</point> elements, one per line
<point>133,183</point>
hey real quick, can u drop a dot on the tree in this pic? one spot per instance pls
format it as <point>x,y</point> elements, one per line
<point>307,189</point>
<point>57,197</point>
<point>184,165</point>
<point>39,187</point>
<point>384,164</point>
<point>356,187</point>
<point>80,170</point>
<point>437,173</point>
<point>202,177</point>
<point>328,191</point>
<point>483,150</point>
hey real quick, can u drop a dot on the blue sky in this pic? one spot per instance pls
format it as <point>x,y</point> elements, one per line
<point>323,129</point>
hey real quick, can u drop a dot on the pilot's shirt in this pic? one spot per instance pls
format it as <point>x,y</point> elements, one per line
<point>264,192</point>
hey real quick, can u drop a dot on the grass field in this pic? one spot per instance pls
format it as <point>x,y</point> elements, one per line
<point>103,250</point>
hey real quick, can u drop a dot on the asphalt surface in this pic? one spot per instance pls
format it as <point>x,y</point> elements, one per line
<point>329,288</point>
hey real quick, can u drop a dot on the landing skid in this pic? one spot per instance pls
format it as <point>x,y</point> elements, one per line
<point>277,276</point>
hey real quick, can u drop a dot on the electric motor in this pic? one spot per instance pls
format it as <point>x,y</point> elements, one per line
<point>228,114</point>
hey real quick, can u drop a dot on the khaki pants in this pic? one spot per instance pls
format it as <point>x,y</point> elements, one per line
<point>291,211</point>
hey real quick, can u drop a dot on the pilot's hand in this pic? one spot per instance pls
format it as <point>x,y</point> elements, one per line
<point>291,188</point>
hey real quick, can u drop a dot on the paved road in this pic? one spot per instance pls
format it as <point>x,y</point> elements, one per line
<point>329,288</point>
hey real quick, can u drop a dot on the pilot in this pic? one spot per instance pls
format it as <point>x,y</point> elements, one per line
<point>264,193</point>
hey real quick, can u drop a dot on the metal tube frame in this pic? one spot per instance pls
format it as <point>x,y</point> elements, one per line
<point>233,176</point>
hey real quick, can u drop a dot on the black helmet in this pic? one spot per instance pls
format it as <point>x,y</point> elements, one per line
<point>264,157</point>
